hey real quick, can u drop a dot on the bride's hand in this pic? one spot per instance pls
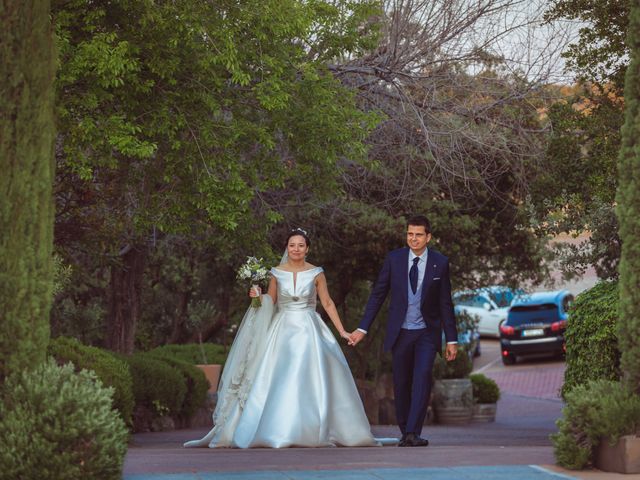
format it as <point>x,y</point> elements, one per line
<point>346,335</point>
<point>255,292</point>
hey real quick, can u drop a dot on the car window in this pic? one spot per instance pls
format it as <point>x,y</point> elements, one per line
<point>503,298</point>
<point>542,313</point>
<point>479,301</point>
<point>465,299</point>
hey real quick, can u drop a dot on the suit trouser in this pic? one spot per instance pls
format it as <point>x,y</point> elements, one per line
<point>413,355</point>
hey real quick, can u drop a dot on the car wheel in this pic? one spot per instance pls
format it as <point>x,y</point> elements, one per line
<point>509,359</point>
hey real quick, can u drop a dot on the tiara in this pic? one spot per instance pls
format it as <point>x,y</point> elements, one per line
<point>299,230</point>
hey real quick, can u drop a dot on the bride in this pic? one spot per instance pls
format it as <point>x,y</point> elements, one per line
<point>286,381</point>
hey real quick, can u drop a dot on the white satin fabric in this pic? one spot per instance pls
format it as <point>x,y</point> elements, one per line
<point>301,391</point>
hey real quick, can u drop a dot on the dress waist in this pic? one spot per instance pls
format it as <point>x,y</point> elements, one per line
<point>297,308</point>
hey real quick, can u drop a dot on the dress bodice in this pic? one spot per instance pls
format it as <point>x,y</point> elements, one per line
<point>296,291</point>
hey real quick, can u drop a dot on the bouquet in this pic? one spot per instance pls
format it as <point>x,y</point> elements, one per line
<point>255,271</point>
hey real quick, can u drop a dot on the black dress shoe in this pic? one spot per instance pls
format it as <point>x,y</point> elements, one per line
<point>403,438</point>
<point>413,440</point>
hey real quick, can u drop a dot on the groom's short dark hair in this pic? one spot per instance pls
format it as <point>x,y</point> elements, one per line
<point>420,220</point>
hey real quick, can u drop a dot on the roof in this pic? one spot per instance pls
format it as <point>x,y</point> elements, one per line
<point>538,298</point>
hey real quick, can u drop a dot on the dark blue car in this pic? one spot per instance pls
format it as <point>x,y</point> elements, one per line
<point>535,324</point>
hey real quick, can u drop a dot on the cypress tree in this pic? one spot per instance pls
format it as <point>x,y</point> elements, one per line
<point>27,132</point>
<point>628,210</point>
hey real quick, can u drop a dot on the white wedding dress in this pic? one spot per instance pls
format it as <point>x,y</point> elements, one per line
<point>286,382</point>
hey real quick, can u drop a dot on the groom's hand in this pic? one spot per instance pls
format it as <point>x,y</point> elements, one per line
<point>451,351</point>
<point>356,337</point>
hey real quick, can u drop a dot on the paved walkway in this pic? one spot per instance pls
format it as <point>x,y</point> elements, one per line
<point>531,381</point>
<point>531,472</point>
<point>515,446</point>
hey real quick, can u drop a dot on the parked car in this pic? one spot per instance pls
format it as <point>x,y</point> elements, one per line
<point>489,304</point>
<point>535,324</point>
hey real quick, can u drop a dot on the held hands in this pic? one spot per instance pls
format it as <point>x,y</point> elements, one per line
<point>356,337</point>
<point>451,351</point>
<point>346,335</point>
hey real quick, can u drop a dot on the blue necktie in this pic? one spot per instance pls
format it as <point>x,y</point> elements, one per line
<point>413,275</point>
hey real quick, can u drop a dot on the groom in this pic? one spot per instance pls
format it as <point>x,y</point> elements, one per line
<point>420,309</point>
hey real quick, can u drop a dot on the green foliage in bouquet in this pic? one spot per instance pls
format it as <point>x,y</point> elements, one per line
<point>597,409</point>
<point>56,424</point>
<point>112,371</point>
<point>459,368</point>
<point>485,389</point>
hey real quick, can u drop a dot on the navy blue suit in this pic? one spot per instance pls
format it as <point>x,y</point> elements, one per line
<point>413,351</point>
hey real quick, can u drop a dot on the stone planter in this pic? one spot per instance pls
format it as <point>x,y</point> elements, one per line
<point>621,457</point>
<point>212,372</point>
<point>453,400</point>
<point>484,412</point>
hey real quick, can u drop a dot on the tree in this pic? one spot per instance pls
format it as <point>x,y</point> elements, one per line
<point>175,116</point>
<point>27,63</point>
<point>628,210</point>
<point>601,52</point>
<point>461,135</point>
<point>585,138</point>
<point>575,188</point>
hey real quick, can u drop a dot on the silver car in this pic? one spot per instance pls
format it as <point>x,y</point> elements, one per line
<point>489,304</point>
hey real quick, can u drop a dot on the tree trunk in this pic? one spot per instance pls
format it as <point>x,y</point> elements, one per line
<point>180,318</point>
<point>125,305</point>
<point>27,131</point>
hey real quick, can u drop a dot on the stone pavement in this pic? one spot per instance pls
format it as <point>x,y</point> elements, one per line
<point>524,472</point>
<point>515,446</point>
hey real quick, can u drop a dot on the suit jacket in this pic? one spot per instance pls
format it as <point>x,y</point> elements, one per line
<point>436,305</point>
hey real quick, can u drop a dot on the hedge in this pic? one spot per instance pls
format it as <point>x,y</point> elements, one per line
<point>112,371</point>
<point>195,353</point>
<point>56,424</point>
<point>591,339</point>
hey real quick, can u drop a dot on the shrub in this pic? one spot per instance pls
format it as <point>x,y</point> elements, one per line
<point>195,353</point>
<point>156,385</point>
<point>597,409</point>
<point>459,368</point>
<point>111,371</point>
<point>56,424</point>
<point>592,347</point>
<point>194,379</point>
<point>485,389</point>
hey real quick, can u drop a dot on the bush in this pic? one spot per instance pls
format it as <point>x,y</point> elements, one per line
<point>157,386</point>
<point>594,410</point>
<point>56,424</point>
<point>592,345</point>
<point>485,389</point>
<point>194,379</point>
<point>459,368</point>
<point>195,353</point>
<point>111,371</point>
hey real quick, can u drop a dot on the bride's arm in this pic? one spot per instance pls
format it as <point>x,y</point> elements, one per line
<point>329,306</point>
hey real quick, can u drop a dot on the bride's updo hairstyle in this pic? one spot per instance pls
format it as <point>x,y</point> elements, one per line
<point>295,232</point>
